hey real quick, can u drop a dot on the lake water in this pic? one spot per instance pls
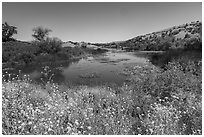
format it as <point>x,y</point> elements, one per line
<point>93,70</point>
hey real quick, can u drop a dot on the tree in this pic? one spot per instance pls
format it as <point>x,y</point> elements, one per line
<point>41,33</point>
<point>8,31</point>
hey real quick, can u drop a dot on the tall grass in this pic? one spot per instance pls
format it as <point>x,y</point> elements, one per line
<point>154,102</point>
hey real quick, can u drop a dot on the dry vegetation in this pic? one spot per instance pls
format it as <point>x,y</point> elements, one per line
<point>154,102</point>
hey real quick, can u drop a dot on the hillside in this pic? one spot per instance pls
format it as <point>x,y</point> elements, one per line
<point>78,44</point>
<point>184,36</point>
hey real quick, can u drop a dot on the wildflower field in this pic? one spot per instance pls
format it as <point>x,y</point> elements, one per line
<point>153,102</point>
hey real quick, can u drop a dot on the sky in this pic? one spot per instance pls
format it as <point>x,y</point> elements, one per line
<point>97,22</point>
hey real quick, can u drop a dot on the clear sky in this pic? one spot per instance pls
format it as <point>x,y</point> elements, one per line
<point>98,22</point>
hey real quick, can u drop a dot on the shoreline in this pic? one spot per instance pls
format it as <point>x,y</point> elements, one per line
<point>10,65</point>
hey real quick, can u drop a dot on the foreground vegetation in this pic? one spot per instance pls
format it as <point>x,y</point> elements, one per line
<point>153,102</point>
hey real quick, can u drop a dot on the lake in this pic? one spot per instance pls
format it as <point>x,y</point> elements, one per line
<point>100,69</point>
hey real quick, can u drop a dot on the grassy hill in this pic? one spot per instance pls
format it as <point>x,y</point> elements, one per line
<point>186,36</point>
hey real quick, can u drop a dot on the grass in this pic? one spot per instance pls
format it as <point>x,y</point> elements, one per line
<point>155,102</point>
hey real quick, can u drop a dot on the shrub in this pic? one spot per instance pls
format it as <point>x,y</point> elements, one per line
<point>164,46</point>
<point>26,57</point>
<point>63,54</point>
<point>49,46</point>
<point>12,50</point>
<point>193,44</point>
<point>187,35</point>
<point>175,31</point>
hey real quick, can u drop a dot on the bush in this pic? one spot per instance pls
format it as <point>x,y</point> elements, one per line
<point>164,46</point>
<point>175,31</point>
<point>12,50</point>
<point>63,54</point>
<point>193,44</point>
<point>49,46</point>
<point>26,57</point>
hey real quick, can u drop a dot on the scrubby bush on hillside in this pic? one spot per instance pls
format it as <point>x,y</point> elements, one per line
<point>83,44</point>
<point>175,31</point>
<point>155,41</point>
<point>187,35</point>
<point>164,46</point>
<point>12,50</point>
<point>193,44</point>
<point>26,57</point>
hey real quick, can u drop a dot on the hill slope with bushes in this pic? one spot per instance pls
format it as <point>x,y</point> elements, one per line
<point>186,36</point>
